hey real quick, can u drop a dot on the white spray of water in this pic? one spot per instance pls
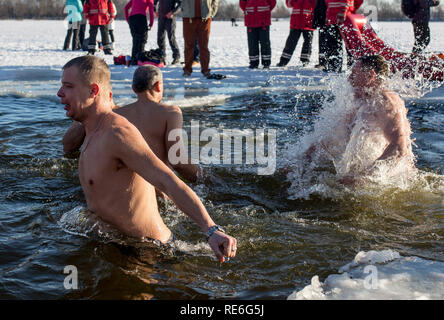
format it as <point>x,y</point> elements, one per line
<point>348,144</point>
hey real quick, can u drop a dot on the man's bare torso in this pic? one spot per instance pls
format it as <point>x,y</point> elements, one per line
<point>113,191</point>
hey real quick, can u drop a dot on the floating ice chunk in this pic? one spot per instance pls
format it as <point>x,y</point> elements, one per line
<point>371,257</point>
<point>380,275</point>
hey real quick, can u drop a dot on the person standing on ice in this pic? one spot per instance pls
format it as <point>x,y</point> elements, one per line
<point>420,22</point>
<point>82,27</point>
<point>138,24</point>
<point>336,14</point>
<point>99,13</point>
<point>257,18</point>
<point>196,17</point>
<point>74,9</point>
<point>111,26</point>
<point>301,22</point>
<point>166,22</point>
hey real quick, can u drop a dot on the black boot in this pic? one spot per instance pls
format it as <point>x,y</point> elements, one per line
<point>283,62</point>
<point>254,64</point>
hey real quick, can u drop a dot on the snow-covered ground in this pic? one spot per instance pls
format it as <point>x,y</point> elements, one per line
<point>32,51</point>
<point>30,63</point>
<point>39,43</point>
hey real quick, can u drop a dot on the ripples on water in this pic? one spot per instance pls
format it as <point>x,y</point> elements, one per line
<point>283,241</point>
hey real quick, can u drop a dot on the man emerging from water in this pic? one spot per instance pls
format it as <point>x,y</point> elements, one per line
<point>117,169</point>
<point>377,129</point>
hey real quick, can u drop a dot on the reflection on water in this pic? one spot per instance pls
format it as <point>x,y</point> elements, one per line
<point>283,240</point>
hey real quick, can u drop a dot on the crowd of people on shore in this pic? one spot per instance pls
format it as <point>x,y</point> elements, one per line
<point>328,16</point>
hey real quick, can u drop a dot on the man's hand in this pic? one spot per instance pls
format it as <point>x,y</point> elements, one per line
<point>169,15</point>
<point>223,245</point>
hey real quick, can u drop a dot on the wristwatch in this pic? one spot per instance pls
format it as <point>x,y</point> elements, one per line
<point>212,230</point>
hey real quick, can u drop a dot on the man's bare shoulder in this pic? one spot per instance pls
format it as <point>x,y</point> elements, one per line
<point>169,112</point>
<point>393,98</point>
<point>393,102</point>
<point>119,129</point>
<point>122,110</point>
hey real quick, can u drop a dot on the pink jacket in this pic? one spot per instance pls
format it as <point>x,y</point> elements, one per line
<point>140,7</point>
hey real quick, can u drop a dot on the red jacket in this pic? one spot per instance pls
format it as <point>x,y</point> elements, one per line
<point>99,12</point>
<point>301,14</point>
<point>340,6</point>
<point>257,12</point>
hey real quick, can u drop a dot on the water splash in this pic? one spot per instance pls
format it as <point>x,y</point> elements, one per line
<point>339,155</point>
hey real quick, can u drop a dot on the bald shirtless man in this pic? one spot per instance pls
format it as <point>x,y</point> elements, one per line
<point>117,169</point>
<point>377,129</point>
<point>152,118</point>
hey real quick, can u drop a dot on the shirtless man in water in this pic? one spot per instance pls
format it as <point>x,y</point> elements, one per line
<point>117,169</point>
<point>152,118</point>
<point>379,123</point>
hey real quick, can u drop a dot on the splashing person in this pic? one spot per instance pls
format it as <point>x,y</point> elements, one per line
<point>375,141</point>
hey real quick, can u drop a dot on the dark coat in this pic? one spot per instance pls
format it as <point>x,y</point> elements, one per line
<point>422,15</point>
<point>166,6</point>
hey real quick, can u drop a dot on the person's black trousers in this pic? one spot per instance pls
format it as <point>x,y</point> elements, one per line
<point>73,32</point>
<point>105,39</point>
<point>82,33</point>
<point>422,37</point>
<point>333,57</point>
<point>259,37</point>
<point>291,43</point>
<point>323,46</point>
<point>139,31</point>
<point>168,26</point>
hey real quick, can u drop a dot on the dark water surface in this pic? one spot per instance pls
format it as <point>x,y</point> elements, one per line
<point>282,243</point>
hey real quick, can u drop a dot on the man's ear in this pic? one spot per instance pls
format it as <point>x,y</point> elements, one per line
<point>95,89</point>
<point>157,86</point>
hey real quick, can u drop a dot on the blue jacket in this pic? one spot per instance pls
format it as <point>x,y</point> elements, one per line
<point>74,8</point>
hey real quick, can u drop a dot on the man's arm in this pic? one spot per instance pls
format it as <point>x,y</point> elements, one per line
<point>151,13</point>
<point>272,4</point>
<point>177,5</point>
<point>73,137</point>
<point>215,7</point>
<point>396,129</point>
<point>187,170</point>
<point>129,146</point>
<point>127,8</point>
